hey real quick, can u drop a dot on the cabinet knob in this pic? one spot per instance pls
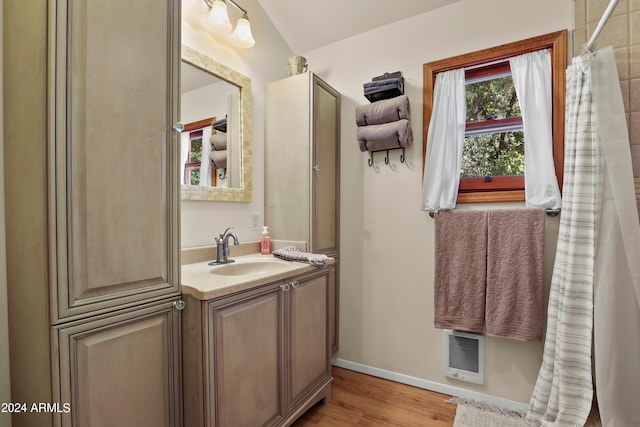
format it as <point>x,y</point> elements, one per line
<point>295,284</point>
<point>179,305</point>
<point>178,127</point>
<point>316,168</point>
<point>285,287</point>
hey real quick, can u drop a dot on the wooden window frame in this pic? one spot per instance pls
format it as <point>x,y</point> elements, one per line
<point>556,42</point>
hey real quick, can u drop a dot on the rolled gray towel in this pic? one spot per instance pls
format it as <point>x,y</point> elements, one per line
<point>385,111</point>
<point>385,136</point>
<point>218,141</point>
<point>218,159</point>
<point>380,89</point>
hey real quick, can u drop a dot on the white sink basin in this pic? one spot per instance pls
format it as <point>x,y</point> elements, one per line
<point>204,282</point>
<point>241,268</point>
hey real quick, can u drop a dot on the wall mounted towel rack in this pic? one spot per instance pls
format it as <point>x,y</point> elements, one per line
<point>550,212</point>
<point>386,156</point>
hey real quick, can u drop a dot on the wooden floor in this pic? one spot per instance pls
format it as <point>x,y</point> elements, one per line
<point>363,400</point>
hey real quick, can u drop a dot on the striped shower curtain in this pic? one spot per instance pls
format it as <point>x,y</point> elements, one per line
<point>564,390</point>
<point>598,254</point>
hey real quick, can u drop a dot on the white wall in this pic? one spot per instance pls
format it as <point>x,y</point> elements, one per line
<point>263,63</point>
<point>387,249</point>
<point>207,101</point>
<point>5,384</point>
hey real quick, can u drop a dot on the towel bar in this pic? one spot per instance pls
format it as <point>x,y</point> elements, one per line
<point>550,212</point>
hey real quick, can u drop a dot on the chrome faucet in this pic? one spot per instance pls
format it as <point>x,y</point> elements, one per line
<point>222,247</point>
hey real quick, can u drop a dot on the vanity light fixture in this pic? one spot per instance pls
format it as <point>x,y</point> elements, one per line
<point>219,18</point>
<point>220,25</point>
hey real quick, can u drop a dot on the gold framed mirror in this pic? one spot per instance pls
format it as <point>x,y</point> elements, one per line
<point>212,90</point>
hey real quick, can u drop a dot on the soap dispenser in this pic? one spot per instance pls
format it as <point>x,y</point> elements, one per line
<point>265,242</point>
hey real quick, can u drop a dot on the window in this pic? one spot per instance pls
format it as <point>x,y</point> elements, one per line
<point>194,159</point>
<point>493,156</point>
<point>194,156</point>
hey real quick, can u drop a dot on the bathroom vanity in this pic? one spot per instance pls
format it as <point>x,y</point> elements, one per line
<point>256,342</point>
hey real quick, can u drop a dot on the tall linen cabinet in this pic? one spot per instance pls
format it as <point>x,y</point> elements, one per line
<point>91,163</point>
<point>302,169</point>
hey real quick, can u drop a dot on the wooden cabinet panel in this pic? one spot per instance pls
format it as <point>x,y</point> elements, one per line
<point>94,209</point>
<point>287,178</point>
<point>325,164</point>
<point>122,369</point>
<point>334,307</point>
<point>115,152</point>
<point>246,355</point>
<point>309,339</point>
<point>260,357</point>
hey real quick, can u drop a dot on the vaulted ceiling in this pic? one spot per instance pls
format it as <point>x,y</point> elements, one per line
<point>306,25</point>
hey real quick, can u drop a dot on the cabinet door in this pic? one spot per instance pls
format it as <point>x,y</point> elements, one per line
<point>326,165</point>
<point>245,356</point>
<point>334,307</point>
<point>309,337</point>
<point>114,74</point>
<point>121,370</point>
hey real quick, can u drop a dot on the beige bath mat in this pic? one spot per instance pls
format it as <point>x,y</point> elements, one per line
<point>470,413</point>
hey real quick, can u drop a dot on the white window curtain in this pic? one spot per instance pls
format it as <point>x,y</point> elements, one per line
<point>531,74</point>
<point>445,142</point>
<point>205,164</point>
<point>184,153</point>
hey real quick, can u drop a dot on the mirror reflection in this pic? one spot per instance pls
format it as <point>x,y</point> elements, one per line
<point>210,146</point>
<point>215,143</point>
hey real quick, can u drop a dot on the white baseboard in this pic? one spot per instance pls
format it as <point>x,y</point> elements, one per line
<point>431,385</point>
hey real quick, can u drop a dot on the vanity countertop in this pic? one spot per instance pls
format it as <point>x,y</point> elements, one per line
<point>199,280</point>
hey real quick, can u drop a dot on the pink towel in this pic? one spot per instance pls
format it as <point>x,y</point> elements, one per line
<point>460,270</point>
<point>515,270</point>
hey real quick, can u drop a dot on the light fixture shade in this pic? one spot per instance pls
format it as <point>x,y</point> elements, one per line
<point>242,36</point>
<point>219,18</point>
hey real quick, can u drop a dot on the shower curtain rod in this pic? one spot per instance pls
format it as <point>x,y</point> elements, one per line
<point>605,17</point>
